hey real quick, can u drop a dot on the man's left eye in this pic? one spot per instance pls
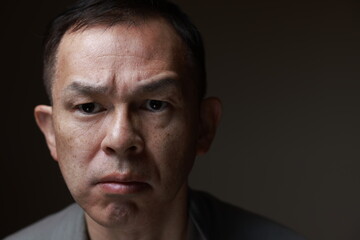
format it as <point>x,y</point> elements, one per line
<point>155,105</point>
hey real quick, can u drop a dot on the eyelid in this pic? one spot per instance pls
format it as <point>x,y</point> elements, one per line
<point>164,106</point>
<point>98,108</point>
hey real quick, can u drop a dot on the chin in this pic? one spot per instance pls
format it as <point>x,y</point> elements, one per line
<point>113,214</point>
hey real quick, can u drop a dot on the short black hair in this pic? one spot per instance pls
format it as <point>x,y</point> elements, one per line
<point>87,13</point>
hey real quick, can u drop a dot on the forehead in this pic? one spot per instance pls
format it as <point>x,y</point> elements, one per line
<point>150,40</point>
<point>139,50</point>
<point>154,35</point>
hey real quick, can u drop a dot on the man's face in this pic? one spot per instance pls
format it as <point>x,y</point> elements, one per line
<point>124,124</point>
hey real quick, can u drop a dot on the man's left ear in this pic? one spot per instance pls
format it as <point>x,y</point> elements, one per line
<point>210,113</point>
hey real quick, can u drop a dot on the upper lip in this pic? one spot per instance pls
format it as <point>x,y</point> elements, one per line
<point>120,178</point>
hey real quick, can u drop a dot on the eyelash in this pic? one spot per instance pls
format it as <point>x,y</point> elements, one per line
<point>81,108</point>
<point>152,103</point>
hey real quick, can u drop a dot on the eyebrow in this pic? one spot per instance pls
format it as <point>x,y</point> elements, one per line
<point>151,86</point>
<point>87,89</point>
<point>158,85</point>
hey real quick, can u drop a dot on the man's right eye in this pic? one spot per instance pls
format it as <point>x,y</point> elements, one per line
<point>90,108</point>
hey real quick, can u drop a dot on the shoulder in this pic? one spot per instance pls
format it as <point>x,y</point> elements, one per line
<point>68,222</point>
<point>218,219</point>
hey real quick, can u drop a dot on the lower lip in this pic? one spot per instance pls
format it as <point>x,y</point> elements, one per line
<point>123,188</point>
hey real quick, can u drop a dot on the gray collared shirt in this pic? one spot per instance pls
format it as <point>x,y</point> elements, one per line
<point>209,219</point>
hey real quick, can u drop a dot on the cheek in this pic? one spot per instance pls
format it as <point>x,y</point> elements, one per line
<point>174,152</point>
<point>75,149</point>
<point>74,139</point>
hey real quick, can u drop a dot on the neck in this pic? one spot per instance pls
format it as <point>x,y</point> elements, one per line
<point>169,221</point>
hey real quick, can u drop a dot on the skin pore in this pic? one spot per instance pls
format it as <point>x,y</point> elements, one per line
<point>125,127</point>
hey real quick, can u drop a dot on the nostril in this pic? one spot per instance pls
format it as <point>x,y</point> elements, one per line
<point>109,150</point>
<point>132,148</point>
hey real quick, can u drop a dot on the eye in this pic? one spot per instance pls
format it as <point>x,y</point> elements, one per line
<point>155,105</point>
<point>90,108</point>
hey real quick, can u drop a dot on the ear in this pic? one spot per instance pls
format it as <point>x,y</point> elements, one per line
<point>210,113</point>
<point>44,119</point>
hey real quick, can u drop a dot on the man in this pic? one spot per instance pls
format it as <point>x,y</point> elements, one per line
<point>126,80</point>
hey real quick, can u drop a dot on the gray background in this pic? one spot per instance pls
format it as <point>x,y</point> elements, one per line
<point>287,148</point>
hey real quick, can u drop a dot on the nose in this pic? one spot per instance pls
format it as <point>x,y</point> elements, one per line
<point>122,136</point>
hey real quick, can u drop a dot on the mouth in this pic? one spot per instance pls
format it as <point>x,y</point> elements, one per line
<point>118,184</point>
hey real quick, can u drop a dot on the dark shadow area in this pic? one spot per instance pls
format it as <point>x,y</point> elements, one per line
<point>288,75</point>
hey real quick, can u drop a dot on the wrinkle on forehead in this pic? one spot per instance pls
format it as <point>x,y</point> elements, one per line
<point>121,53</point>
